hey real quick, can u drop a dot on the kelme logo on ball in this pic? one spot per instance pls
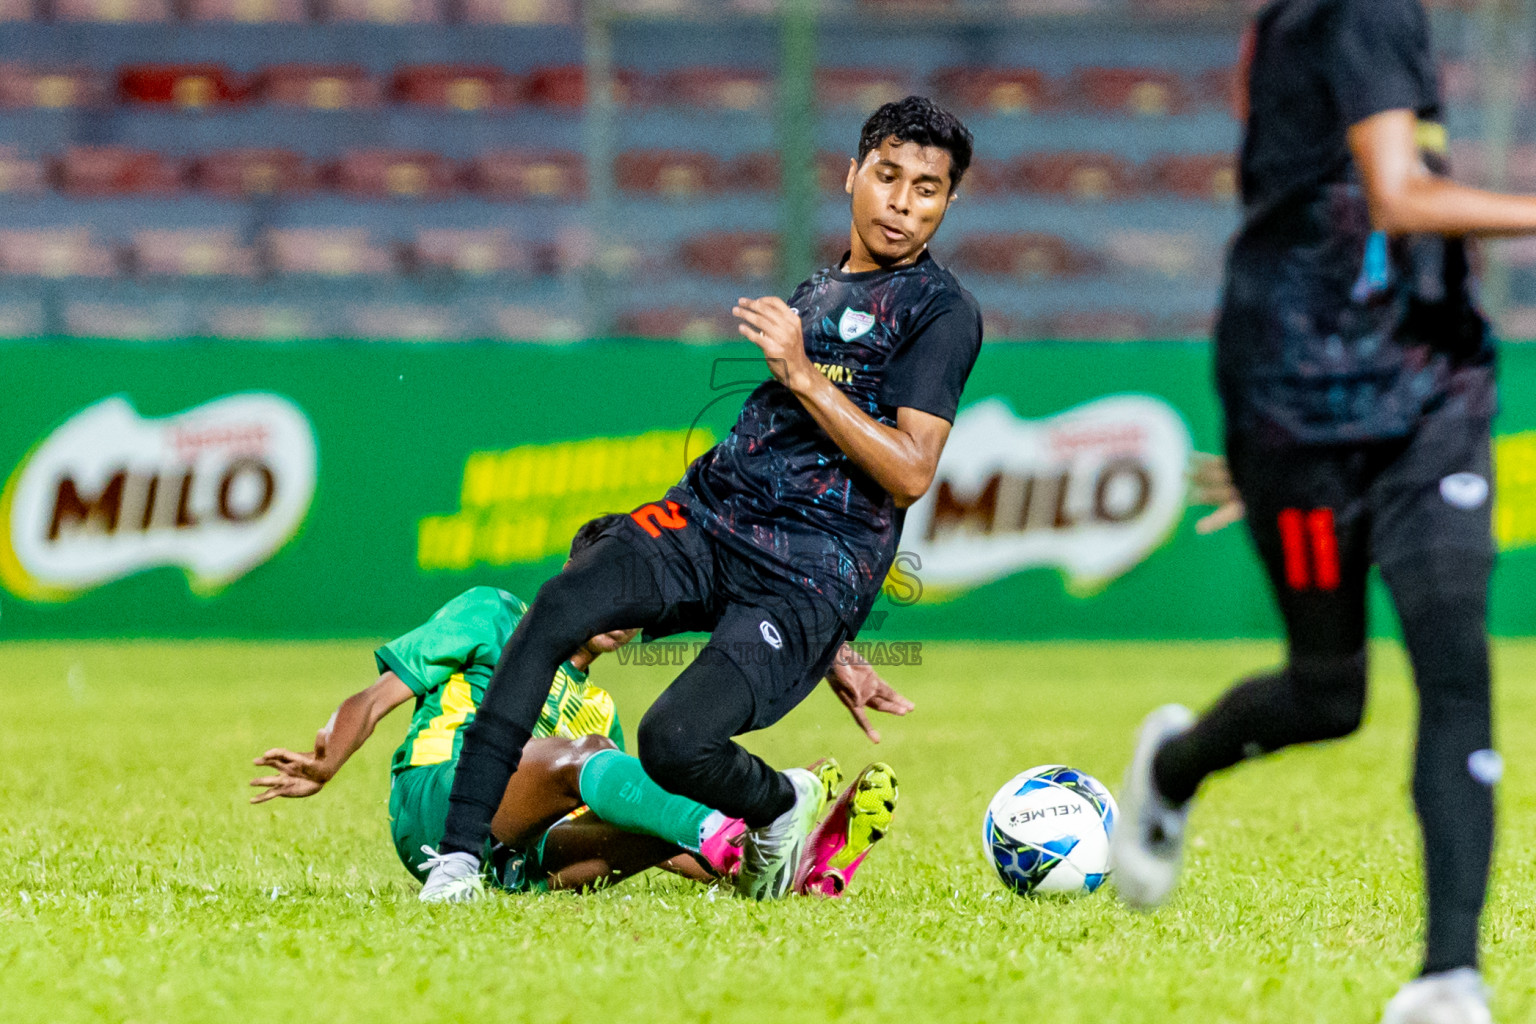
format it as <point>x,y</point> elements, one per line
<point>215,490</point>
<point>1091,491</point>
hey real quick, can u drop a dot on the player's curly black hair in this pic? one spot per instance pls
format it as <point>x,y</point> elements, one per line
<point>591,530</point>
<point>920,120</point>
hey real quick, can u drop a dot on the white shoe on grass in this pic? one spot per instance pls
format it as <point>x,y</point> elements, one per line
<point>1446,997</point>
<point>770,854</point>
<point>1146,849</point>
<point>451,877</point>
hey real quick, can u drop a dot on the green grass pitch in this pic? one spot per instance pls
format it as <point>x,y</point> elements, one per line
<point>139,886</point>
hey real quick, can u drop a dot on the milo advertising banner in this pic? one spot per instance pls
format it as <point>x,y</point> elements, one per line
<point>250,490</point>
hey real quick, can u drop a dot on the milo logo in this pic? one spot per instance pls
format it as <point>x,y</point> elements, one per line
<point>215,490</point>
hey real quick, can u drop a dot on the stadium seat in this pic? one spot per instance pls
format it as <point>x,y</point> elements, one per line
<point>677,323</point>
<point>326,252</point>
<point>1028,255</point>
<point>1218,87</point>
<point>264,322</point>
<point>993,90</point>
<point>55,252</point>
<point>519,12</point>
<point>403,321</point>
<point>832,171</point>
<point>192,253</point>
<point>863,89</point>
<point>1143,92</point>
<point>754,172</point>
<point>250,173</point>
<point>319,86</point>
<point>1184,327</point>
<point>1100,325</point>
<point>727,88</point>
<point>744,255</point>
<point>143,320</point>
<point>993,177</point>
<point>1212,178</point>
<point>394,174</point>
<point>470,252</point>
<point>673,173</point>
<point>515,174</point>
<point>249,12</point>
<point>117,170</point>
<point>383,12</point>
<point>112,10</point>
<point>22,86</point>
<point>567,86</point>
<point>1079,176</point>
<point>1166,254</point>
<point>16,10</point>
<point>20,175</point>
<point>187,86</point>
<point>516,322</point>
<point>465,87</point>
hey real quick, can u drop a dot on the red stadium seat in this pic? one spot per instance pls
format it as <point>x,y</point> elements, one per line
<point>1028,255</point>
<point>20,175</point>
<point>678,324</point>
<point>457,86</point>
<point>22,86</point>
<point>567,86</point>
<point>832,171</point>
<point>320,86</point>
<point>471,252</point>
<point>514,174</point>
<point>249,173</point>
<point>673,173</point>
<point>744,255</point>
<point>16,10</point>
<point>188,86</point>
<point>55,252</point>
<point>755,172</point>
<point>1219,87</point>
<point>993,90</point>
<point>860,88</point>
<point>519,12</point>
<point>327,252</point>
<point>1143,92</point>
<point>249,12</point>
<point>112,10</point>
<point>384,12</point>
<point>993,177</point>
<point>1212,178</point>
<point>728,88</point>
<point>192,253</point>
<point>117,170</point>
<point>395,174</point>
<point>1080,176</point>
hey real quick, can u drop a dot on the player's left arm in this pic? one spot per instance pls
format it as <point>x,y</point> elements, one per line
<point>902,459</point>
<point>305,774</point>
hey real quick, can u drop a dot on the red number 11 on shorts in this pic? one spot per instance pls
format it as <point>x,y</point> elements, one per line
<point>1311,548</point>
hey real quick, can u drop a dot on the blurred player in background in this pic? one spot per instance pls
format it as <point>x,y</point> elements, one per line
<point>1356,374</point>
<point>543,838</point>
<point>778,539</point>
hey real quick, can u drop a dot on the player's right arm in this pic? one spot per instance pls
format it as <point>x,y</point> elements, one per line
<point>305,774</point>
<point>1405,197</point>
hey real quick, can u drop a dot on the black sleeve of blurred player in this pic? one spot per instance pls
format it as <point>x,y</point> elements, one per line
<point>1380,58</point>
<point>928,369</point>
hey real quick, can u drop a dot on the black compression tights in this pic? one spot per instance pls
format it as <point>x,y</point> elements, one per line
<point>690,731</point>
<point>1442,602</point>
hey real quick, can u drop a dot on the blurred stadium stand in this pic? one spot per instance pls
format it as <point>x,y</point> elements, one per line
<point>432,169</point>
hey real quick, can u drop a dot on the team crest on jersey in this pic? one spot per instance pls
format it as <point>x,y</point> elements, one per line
<point>855,324</point>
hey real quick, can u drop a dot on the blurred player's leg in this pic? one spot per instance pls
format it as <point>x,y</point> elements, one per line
<point>1434,544</point>
<point>1309,518</point>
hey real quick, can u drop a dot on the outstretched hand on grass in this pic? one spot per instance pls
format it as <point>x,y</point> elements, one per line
<point>860,687</point>
<point>299,775</point>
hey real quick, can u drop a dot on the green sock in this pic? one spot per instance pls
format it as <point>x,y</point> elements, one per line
<point>618,791</point>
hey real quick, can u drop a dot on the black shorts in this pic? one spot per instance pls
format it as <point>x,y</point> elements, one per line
<point>782,636</point>
<point>1419,507</point>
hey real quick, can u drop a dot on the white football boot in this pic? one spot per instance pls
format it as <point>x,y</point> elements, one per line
<point>451,877</point>
<point>771,854</point>
<point>1146,848</point>
<point>1447,997</point>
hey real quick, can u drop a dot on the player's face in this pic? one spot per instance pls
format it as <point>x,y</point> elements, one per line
<point>900,195</point>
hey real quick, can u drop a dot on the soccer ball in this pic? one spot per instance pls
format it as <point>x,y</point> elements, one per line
<point>1048,830</point>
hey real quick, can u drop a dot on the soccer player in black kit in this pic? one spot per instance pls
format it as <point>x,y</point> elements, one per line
<point>778,539</point>
<point>1356,373</point>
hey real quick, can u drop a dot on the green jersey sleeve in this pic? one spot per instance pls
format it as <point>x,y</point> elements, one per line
<point>468,631</point>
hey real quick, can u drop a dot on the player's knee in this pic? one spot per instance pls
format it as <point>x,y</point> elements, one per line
<point>572,757</point>
<point>670,752</point>
<point>1332,691</point>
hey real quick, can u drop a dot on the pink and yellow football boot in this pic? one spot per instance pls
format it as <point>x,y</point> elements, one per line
<point>841,841</point>
<point>721,852</point>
